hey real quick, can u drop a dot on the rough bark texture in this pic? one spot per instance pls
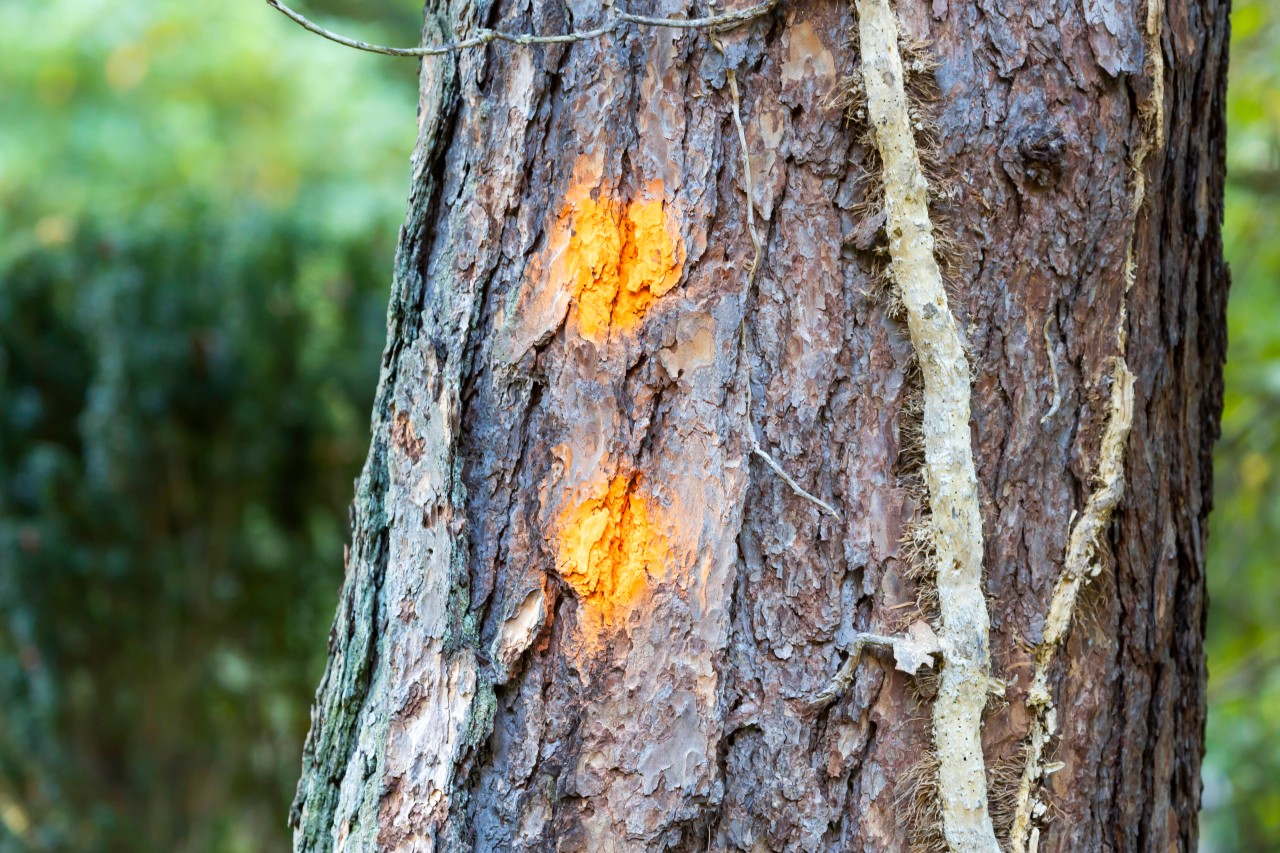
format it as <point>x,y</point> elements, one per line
<point>579,615</point>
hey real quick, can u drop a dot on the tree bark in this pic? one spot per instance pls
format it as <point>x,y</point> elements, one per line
<point>579,613</point>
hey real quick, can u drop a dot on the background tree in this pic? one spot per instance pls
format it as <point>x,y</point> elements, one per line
<point>194,233</point>
<point>1242,761</point>
<point>579,610</point>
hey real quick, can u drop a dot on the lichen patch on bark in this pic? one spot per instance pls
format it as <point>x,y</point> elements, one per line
<point>609,550</point>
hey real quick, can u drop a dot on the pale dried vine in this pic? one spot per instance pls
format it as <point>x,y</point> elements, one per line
<point>1081,562</point>
<point>1080,565</point>
<point>484,35</point>
<point>918,648</point>
<point>950,477</point>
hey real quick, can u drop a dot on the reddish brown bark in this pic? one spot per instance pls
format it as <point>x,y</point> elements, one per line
<point>497,684</point>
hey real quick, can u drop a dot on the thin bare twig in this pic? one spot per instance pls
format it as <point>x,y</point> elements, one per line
<point>786,478</point>
<point>484,35</point>
<point>844,677</point>
<point>746,172</point>
<point>912,651</point>
<point>752,269</point>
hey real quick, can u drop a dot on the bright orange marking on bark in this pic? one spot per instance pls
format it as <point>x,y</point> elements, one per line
<point>619,258</point>
<point>610,549</point>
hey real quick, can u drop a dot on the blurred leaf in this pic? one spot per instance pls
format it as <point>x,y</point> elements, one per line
<point>1242,765</point>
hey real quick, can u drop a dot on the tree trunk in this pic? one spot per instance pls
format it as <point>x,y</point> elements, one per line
<point>580,614</point>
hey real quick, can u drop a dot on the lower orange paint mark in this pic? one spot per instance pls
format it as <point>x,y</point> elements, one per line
<point>609,549</point>
<point>619,258</point>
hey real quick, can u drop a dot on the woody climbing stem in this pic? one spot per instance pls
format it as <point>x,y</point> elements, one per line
<point>1082,562</point>
<point>950,477</point>
<point>1080,565</point>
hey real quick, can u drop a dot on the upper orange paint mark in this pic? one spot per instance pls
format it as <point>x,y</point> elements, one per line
<point>619,258</point>
<point>609,549</point>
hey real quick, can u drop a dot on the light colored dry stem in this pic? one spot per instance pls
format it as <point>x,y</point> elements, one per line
<point>731,77</point>
<point>1081,564</point>
<point>949,467</point>
<point>1153,139</point>
<point>786,478</point>
<point>912,651</point>
<point>844,676</point>
<point>1081,561</point>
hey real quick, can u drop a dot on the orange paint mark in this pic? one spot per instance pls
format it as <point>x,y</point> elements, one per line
<point>609,549</point>
<point>618,258</point>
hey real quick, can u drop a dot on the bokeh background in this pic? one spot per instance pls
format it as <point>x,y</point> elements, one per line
<point>198,211</point>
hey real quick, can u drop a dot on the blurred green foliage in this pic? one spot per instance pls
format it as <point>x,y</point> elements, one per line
<point>1242,768</point>
<point>198,206</point>
<point>198,211</point>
